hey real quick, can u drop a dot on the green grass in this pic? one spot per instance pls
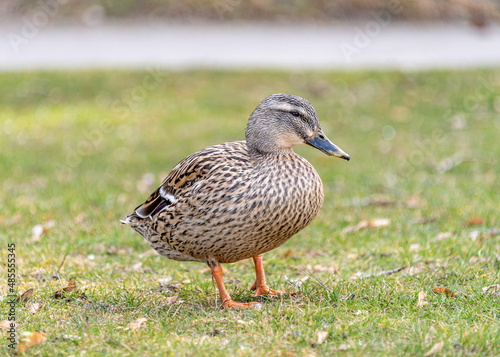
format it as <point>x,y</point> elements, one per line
<point>75,148</point>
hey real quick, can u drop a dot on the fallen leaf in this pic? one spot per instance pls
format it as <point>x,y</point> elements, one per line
<point>379,222</point>
<point>443,235</point>
<point>343,347</point>
<point>50,223</point>
<point>474,234</point>
<point>36,233</point>
<point>443,290</point>
<point>473,260</point>
<point>476,221</point>
<point>372,224</point>
<point>25,296</point>
<point>34,338</point>
<point>414,270</point>
<point>288,254</point>
<point>322,268</point>
<point>322,335</point>
<point>414,247</point>
<point>172,299</point>
<point>492,289</point>
<point>435,349</point>
<point>137,267</point>
<point>204,270</point>
<point>5,325</point>
<point>413,201</point>
<point>164,281</point>
<point>60,293</point>
<point>80,218</point>
<point>421,299</point>
<point>355,228</point>
<point>33,308</point>
<point>136,324</point>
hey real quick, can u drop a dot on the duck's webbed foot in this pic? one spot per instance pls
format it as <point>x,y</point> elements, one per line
<point>226,299</point>
<point>260,285</point>
<point>265,290</point>
<point>242,305</point>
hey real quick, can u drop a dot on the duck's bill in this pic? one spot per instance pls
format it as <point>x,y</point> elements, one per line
<point>322,143</point>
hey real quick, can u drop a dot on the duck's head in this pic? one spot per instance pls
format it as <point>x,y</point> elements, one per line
<point>282,121</point>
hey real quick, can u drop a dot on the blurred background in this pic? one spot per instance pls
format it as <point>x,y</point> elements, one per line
<point>259,33</point>
<point>100,99</point>
<point>478,13</point>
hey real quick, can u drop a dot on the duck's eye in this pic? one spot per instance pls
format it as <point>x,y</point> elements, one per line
<point>295,114</point>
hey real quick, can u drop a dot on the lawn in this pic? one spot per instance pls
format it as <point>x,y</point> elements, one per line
<point>80,150</point>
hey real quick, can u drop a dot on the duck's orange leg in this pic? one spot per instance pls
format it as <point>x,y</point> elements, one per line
<point>260,285</point>
<point>224,296</point>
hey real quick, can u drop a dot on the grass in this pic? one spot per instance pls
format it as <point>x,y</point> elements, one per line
<point>80,150</point>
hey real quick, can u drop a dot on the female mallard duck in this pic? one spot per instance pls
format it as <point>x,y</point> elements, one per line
<point>240,199</point>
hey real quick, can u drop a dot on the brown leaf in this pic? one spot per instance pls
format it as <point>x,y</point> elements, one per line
<point>372,224</point>
<point>322,335</point>
<point>443,290</point>
<point>421,299</point>
<point>137,267</point>
<point>413,201</point>
<point>343,347</point>
<point>476,221</point>
<point>354,228</point>
<point>25,296</point>
<point>136,324</point>
<point>60,293</point>
<point>322,268</point>
<point>443,235</point>
<point>34,338</point>
<point>492,289</point>
<point>378,222</point>
<point>172,299</point>
<point>412,271</point>
<point>288,254</point>
<point>473,260</point>
<point>435,349</point>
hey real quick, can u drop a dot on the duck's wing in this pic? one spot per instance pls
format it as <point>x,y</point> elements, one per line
<point>189,171</point>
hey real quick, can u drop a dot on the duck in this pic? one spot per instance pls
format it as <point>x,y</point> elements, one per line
<point>240,199</point>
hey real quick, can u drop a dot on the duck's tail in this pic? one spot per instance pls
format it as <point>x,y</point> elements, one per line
<point>137,223</point>
<point>131,220</point>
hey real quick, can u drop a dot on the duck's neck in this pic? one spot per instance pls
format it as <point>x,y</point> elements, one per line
<point>262,152</point>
